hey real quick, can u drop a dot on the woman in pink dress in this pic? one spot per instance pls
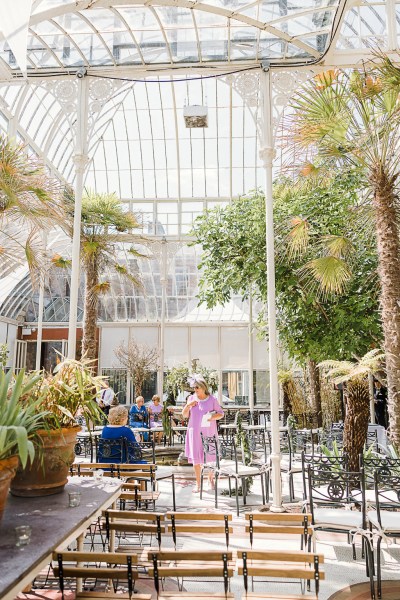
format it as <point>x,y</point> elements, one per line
<point>201,408</point>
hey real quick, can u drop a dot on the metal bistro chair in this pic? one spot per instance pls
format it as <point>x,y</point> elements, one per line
<point>120,450</point>
<point>299,441</point>
<point>331,501</point>
<point>322,464</point>
<point>228,465</point>
<point>385,518</point>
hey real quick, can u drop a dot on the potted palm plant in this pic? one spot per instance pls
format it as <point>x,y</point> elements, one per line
<point>18,425</point>
<point>70,393</point>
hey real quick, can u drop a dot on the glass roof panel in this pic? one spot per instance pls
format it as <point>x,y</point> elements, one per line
<point>215,30</point>
<point>364,27</point>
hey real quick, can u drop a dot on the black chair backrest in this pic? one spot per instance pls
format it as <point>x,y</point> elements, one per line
<point>335,487</point>
<point>321,463</point>
<point>111,451</point>
<point>120,450</point>
<point>220,448</point>
<point>300,440</point>
<point>387,486</point>
<point>147,446</point>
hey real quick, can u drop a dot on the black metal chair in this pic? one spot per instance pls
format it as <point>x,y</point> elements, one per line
<point>321,463</point>
<point>120,450</point>
<point>331,501</point>
<point>297,442</point>
<point>384,519</point>
<point>227,464</point>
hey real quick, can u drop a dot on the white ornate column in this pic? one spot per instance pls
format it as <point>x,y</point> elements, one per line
<point>267,156</point>
<point>39,335</point>
<point>251,355</point>
<point>81,160</point>
<point>164,251</point>
<point>164,281</point>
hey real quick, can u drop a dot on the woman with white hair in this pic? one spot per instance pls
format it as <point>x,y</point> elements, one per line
<point>116,429</point>
<point>203,411</point>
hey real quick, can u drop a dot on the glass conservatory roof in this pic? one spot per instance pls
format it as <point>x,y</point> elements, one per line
<point>66,35</point>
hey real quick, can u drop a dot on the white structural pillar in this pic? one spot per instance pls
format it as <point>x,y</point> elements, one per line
<point>39,335</point>
<point>80,160</point>
<point>267,156</point>
<point>163,281</point>
<point>251,357</point>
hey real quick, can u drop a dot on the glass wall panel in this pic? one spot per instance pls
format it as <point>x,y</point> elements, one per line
<point>176,345</point>
<point>234,347</point>
<point>117,381</point>
<point>204,346</point>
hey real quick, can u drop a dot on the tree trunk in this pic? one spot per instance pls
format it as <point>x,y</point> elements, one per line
<point>315,390</point>
<point>89,346</point>
<point>388,247</point>
<point>356,421</point>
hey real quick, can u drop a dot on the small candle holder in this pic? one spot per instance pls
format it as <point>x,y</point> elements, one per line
<point>23,535</point>
<point>74,499</point>
<point>98,475</point>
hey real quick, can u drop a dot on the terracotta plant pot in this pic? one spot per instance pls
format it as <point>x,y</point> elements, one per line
<point>48,473</point>
<point>8,468</point>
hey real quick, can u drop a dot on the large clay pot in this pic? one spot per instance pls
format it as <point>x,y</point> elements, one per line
<point>48,473</point>
<point>8,468</point>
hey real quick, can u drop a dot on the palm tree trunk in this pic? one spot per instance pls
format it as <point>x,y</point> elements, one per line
<point>89,346</point>
<point>389,272</point>
<point>315,391</point>
<point>356,421</point>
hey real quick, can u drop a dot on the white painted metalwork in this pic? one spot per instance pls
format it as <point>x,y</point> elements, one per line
<point>19,361</point>
<point>267,155</point>
<point>81,161</point>
<point>251,354</point>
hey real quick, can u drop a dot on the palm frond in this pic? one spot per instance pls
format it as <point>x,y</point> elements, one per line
<point>328,273</point>
<point>337,246</point>
<point>298,237</point>
<point>101,288</point>
<point>60,262</point>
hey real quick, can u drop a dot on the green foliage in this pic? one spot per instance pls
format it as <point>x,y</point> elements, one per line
<point>176,379</point>
<point>4,354</point>
<point>19,418</point>
<point>71,392</point>
<point>327,224</point>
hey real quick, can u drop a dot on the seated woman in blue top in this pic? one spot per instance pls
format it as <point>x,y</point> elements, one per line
<point>128,451</point>
<point>138,415</point>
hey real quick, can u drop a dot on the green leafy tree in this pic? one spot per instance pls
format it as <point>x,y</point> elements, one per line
<point>311,328</point>
<point>343,118</point>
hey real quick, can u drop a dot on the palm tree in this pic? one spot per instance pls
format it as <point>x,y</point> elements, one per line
<point>357,399</point>
<point>103,222</point>
<point>30,202</point>
<point>353,119</point>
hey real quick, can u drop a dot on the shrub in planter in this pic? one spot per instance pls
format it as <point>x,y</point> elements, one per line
<point>18,423</point>
<point>70,393</point>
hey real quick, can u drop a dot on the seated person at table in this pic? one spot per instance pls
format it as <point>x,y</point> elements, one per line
<point>138,415</point>
<point>117,430</point>
<point>155,409</point>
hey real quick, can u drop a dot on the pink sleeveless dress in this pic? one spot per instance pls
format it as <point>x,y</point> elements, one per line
<point>193,445</point>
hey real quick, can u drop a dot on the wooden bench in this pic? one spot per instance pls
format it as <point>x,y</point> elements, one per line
<point>197,564</point>
<point>280,523</point>
<point>118,567</point>
<point>202,523</point>
<point>280,564</point>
